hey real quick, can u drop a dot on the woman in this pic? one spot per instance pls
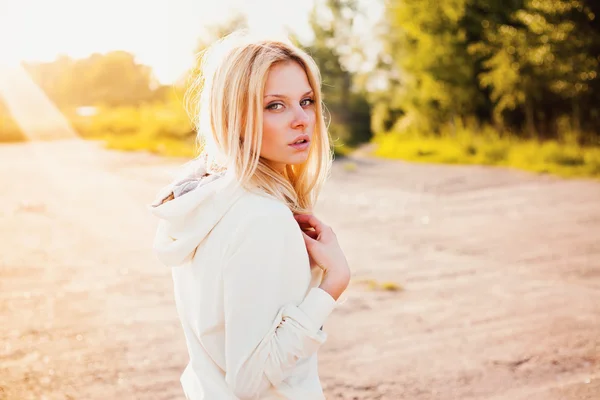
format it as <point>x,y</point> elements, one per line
<point>255,273</point>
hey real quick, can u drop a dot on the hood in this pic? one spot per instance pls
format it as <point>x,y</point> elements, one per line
<point>188,209</point>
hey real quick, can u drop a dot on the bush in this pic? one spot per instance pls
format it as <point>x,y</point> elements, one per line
<point>162,120</point>
<point>161,128</point>
<point>488,148</point>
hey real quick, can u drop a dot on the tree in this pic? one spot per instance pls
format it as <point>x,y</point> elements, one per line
<point>212,33</point>
<point>332,23</point>
<point>433,76</point>
<point>111,79</point>
<point>540,64</point>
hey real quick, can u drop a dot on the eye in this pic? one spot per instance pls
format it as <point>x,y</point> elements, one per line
<point>273,106</point>
<point>306,102</point>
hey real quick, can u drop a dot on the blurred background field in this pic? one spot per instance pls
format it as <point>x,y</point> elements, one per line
<point>465,82</point>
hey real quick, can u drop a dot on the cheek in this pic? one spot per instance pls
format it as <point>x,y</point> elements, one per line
<point>312,116</point>
<point>272,131</point>
<point>268,125</point>
<point>273,125</point>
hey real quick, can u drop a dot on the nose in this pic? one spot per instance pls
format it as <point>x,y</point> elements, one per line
<point>300,118</point>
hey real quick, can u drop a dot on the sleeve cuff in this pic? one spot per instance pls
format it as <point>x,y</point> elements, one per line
<point>317,305</point>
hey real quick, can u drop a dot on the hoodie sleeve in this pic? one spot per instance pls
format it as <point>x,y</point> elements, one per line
<point>264,335</point>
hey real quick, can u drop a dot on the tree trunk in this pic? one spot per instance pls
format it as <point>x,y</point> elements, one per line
<point>530,118</point>
<point>576,116</point>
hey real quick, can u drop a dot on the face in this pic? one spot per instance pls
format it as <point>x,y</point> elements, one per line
<point>288,116</point>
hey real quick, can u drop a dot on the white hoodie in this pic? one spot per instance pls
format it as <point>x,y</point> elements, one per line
<point>249,305</point>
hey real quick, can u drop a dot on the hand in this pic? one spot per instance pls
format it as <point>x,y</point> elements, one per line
<point>307,229</point>
<point>325,252</point>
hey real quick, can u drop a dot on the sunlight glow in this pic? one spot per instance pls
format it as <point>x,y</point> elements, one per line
<point>46,127</point>
<point>33,111</point>
<point>162,34</point>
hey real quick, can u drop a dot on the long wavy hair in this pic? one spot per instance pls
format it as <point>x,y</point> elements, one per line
<point>225,102</point>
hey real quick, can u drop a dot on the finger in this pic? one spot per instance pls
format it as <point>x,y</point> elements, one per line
<point>313,235</point>
<point>308,240</point>
<point>310,220</point>
<point>305,226</point>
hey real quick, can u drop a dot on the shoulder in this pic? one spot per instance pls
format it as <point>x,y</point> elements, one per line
<point>259,220</point>
<point>252,206</point>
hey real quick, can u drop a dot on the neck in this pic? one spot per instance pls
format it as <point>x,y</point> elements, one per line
<point>277,167</point>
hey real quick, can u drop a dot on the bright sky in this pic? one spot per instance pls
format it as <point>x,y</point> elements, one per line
<point>162,33</point>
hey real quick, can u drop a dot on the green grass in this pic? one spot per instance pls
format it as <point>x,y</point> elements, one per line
<point>162,129</point>
<point>373,284</point>
<point>172,147</point>
<point>565,159</point>
<point>161,146</point>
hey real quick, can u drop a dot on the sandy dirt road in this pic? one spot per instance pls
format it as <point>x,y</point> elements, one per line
<point>500,273</point>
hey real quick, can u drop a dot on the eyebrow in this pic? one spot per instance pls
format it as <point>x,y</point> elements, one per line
<point>285,97</point>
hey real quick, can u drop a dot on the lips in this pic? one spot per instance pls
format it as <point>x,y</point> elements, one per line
<point>302,139</point>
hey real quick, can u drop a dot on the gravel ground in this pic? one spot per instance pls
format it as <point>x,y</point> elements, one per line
<point>498,271</point>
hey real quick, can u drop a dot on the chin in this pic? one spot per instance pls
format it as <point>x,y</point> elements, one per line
<point>299,159</point>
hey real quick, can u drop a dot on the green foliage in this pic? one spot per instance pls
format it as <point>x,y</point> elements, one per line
<point>112,79</point>
<point>162,128</point>
<point>214,32</point>
<point>432,77</point>
<point>167,120</point>
<point>487,148</point>
<point>348,111</point>
<point>157,145</point>
<point>522,65</point>
<point>498,82</point>
<point>539,63</point>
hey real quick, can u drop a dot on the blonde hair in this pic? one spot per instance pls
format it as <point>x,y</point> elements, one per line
<point>225,102</point>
